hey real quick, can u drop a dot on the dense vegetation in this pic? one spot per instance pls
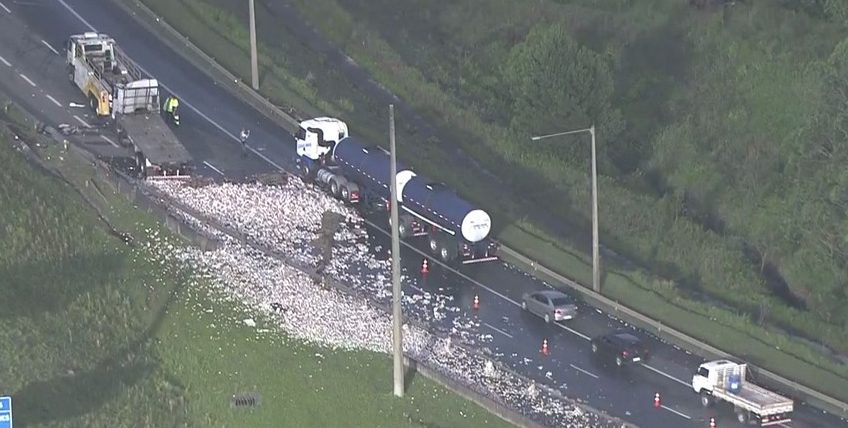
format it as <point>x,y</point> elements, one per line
<point>720,131</point>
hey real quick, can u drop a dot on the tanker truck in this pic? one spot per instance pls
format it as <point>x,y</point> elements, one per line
<point>359,173</point>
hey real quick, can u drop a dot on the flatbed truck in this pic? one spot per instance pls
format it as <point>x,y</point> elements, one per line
<point>117,89</point>
<point>725,381</point>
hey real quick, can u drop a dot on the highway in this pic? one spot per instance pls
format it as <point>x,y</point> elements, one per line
<point>33,73</point>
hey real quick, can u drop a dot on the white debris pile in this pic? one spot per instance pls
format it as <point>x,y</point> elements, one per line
<point>305,310</point>
<point>288,219</point>
<point>487,379</point>
<point>302,309</point>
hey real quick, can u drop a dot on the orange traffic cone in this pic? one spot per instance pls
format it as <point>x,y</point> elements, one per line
<point>424,268</point>
<point>657,402</point>
<point>476,305</point>
<point>712,423</point>
<point>545,350</point>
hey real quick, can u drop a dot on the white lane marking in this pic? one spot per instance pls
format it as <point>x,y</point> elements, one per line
<point>583,371</point>
<point>186,103</point>
<point>31,83</point>
<point>213,167</point>
<point>50,47</point>
<point>274,164</point>
<point>683,415</point>
<point>53,100</point>
<point>109,140</point>
<point>498,330</point>
<point>8,64</point>
<point>662,373</point>
<point>5,8</point>
<point>84,123</point>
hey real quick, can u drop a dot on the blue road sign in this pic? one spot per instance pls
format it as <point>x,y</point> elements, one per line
<point>5,412</point>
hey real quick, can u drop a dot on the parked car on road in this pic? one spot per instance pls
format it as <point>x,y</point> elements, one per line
<point>551,305</point>
<point>620,346</point>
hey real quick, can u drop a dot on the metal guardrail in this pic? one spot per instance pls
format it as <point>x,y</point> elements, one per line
<point>234,86</point>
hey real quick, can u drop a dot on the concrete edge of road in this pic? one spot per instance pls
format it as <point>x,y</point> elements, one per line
<point>233,84</point>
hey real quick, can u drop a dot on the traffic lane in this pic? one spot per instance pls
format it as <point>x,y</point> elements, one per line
<point>54,22</point>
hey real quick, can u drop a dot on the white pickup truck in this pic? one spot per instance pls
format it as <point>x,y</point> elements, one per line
<point>724,380</point>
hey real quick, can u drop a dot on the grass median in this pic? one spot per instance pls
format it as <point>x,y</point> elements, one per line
<point>107,334</point>
<point>289,68</point>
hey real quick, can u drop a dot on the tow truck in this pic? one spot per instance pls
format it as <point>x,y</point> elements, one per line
<point>724,380</point>
<point>117,89</point>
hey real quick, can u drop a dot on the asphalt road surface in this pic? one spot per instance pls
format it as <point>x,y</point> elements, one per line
<point>32,71</point>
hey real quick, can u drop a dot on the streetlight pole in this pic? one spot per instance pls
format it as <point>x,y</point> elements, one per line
<point>254,62</point>
<point>596,256</point>
<point>397,320</point>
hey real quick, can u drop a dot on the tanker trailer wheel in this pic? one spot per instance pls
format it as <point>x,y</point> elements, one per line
<point>405,226</point>
<point>336,185</point>
<point>435,244</point>
<point>448,251</point>
<point>348,190</point>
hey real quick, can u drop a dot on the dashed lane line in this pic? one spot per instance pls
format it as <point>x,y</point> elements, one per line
<point>274,164</point>
<point>31,83</point>
<point>498,330</point>
<point>58,104</point>
<point>49,47</point>
<point>662,373</point>
<point>108,140</point>
<point>8,64</point>
<point>84,123</point>
<point>584,371</point>
<point>209,164</point>
<point>678,413</point>
<point>5,8</point>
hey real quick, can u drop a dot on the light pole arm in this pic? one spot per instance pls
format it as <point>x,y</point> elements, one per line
<point>559,134</point>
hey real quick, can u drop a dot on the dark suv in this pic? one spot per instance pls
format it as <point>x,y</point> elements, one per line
<point>620,345</point>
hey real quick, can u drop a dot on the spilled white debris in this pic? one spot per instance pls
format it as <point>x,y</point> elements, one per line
<point>288,219</point>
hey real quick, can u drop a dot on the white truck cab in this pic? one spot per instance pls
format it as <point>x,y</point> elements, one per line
<point>316,137</point>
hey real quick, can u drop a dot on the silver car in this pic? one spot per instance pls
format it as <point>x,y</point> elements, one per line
<point>551,305</point>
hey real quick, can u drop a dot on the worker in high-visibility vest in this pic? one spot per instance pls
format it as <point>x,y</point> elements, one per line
<point>171,105</point>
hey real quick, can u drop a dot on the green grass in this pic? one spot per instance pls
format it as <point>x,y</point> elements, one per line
<point>284,60</point>
<point>100,334</point>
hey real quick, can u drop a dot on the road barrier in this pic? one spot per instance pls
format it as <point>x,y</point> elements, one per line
<point>233,84</point>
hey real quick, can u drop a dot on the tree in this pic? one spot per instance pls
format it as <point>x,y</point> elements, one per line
<point>557,84</point>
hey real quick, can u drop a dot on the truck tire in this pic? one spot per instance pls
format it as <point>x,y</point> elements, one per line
<point>405,226</point>
<point>336,184</point>
<point>742,416</point>
<point>349,189</point>
<point>448,251</point>
<point>706,399</point>
<point>435,244</point>
<point>92,101</point>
